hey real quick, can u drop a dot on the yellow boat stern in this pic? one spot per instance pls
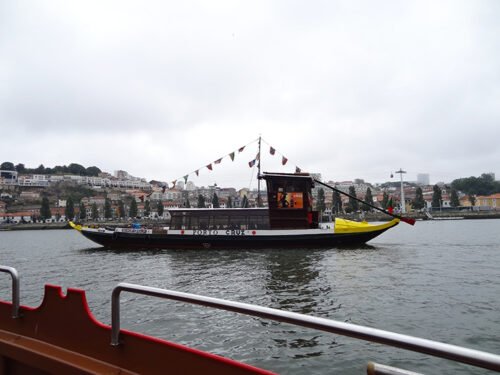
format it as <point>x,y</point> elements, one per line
<point>349,226</point>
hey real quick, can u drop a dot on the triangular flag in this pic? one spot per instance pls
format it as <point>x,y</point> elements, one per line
<point>389,206</point>
<point>163,189</point>
<point>284,160</point>
<point>297,170</point>
<point>231,155</point>
<point>186,179</point>
<point>173,183</point>
<point>197,172</point>
<point>241,149</point>
<point>272,151</point>
<point>251,163</point>
<point>209,166</point>
<point>141,198</point>
<point>218,161</point>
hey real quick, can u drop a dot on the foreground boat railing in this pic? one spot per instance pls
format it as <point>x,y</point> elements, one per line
<point>15,289</point>
<point>434,348</point>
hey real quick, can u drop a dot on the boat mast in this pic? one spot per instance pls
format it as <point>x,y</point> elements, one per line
<point>258,176</point>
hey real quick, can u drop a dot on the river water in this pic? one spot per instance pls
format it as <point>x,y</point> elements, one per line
<point>438,280</point>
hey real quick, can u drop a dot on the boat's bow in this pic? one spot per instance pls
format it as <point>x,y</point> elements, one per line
<point>349,226</point>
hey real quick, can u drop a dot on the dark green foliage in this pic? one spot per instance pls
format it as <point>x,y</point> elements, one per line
<point>76,193</point>
<point>418,202</point>
<point>484,185</point>
<point>107,209</point>
<point>69,211</point>
<point>201,201</point>
<point>83,212</point>
<point>147,209</point>
<point>39,170</point>
<point>133,208</point>
<point>92,171</point>
<point>385,200</point>
<point>121,208</point>
<point>336,202</point>
<point>454,201</point>
<point>229,203</point>
<point>320,201</point>
<point>215,201</point>
<point>76,169</point>
<point>472,199</point>
<point>436,197</point>
<point>95,211</point>
<point>352,206</point>
<point>20,168</point>
<point>244,202</point>
<point>45,209</point>
<point>188,205</point>
<point>368,199</point>
<point>7,166</point>
<point>160,208</point>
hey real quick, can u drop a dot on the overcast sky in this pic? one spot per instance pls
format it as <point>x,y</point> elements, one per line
<point>348,89</point>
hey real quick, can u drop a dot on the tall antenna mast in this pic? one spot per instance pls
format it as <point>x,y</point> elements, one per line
<point>258,176</point>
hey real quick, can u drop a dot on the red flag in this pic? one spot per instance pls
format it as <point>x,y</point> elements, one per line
<point>241,149</point>
<point>389,206</point>
<point>251,163</point>
<point>209,166</point>
<point>173,184</point>
<point>284,160</point>
<point>218,161</point>
<point>272,151</point>
<point>163,189</point>
<point>142,198</point>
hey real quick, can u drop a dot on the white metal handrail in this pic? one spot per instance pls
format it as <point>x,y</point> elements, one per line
<point>15,289</point>
<point>456,353</point>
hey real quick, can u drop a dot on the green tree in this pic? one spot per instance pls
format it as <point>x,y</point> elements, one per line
<point>95,211</point>
<point>336,202</point>
<point>320,200</point>
<point>92,171</point>
<point>45,209</point>
<point>83,212</point>
<point>418,202</point>
<point>201,201</point>
<point>121,209</point>
<point>368,200</point>
<point>76,169</point>
<point>133,208</point>
<point>483,185</point>
<point>160,209</point>
<point>107,209</point>
<point>215,201</point>
<point>188,205</point>
<point>472,199</point>
<point>229,203</point>
<point>436,197</point>
<point>7,166</point>
<point>69,211</point>
<point>352,206</point>
<point>20,168</point>
<point>385,200</point>
<point>454,201</point>
<point>39,170</point>
<point>147,209</point>
<point>244,202</point>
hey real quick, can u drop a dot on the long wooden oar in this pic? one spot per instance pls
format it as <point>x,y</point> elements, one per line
<point>405,219</point>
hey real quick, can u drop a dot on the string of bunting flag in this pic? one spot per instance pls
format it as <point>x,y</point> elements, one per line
<point>232,156</point>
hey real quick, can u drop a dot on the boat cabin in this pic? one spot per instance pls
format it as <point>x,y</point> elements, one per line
<point>290,207</point>
<point>290,200</point>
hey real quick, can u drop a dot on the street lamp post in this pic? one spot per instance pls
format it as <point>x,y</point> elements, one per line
<point>403,206</point>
